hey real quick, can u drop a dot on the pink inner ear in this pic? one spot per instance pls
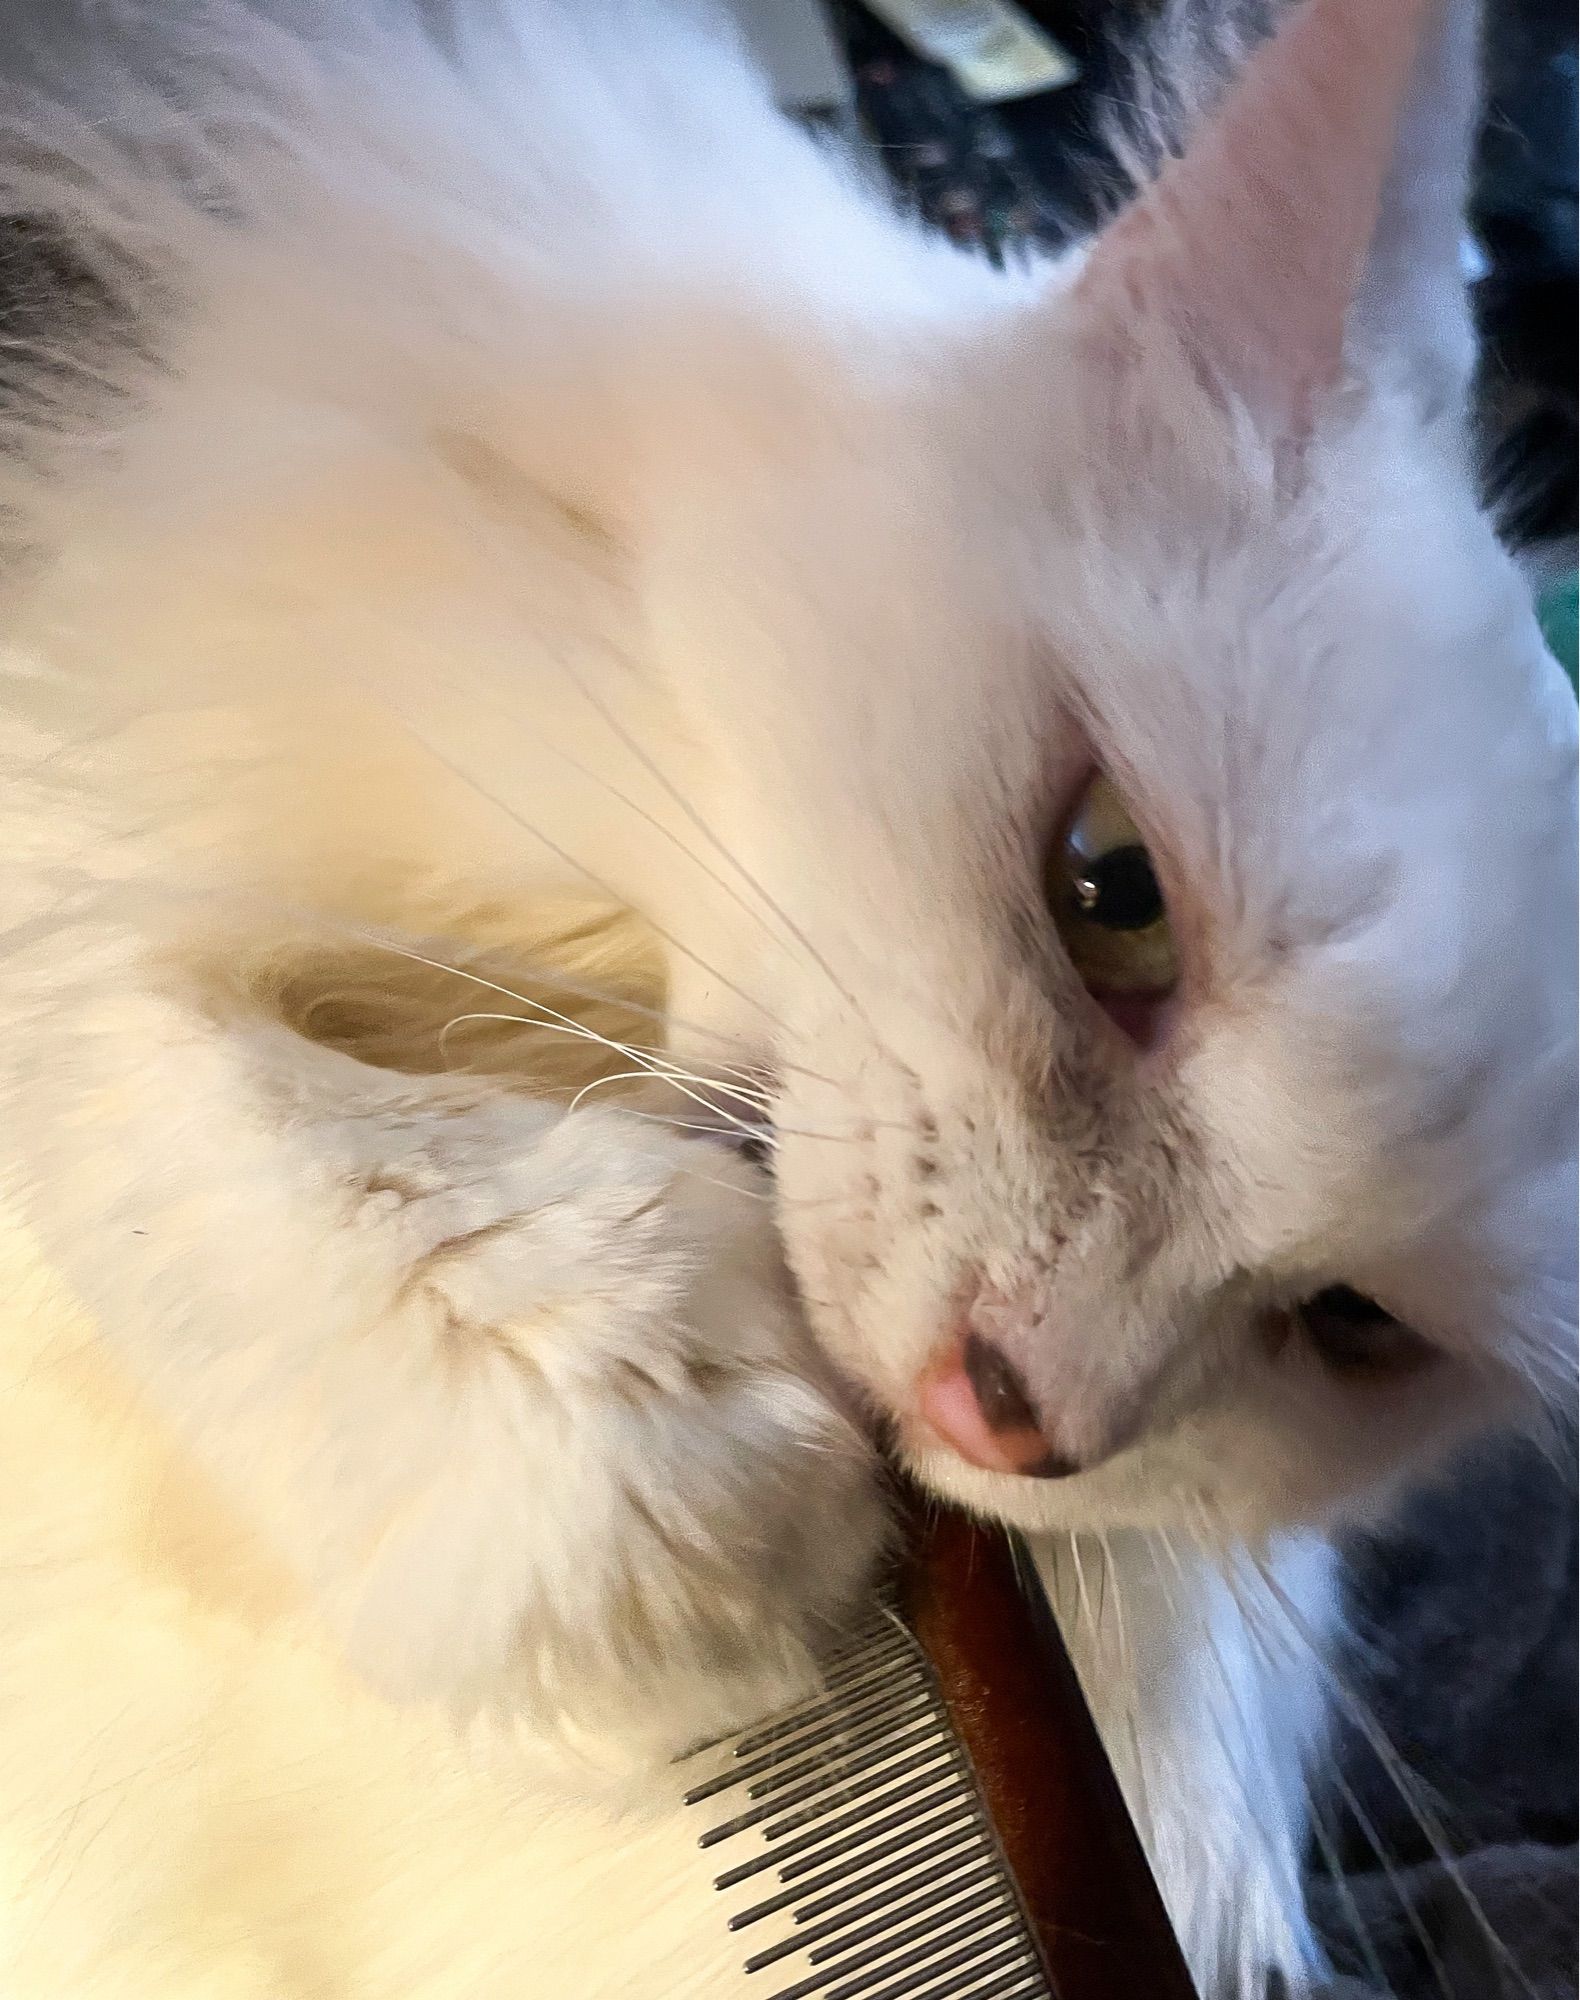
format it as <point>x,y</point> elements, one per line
<point>1253,245</point>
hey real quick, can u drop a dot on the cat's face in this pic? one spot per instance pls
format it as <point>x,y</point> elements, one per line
<point>1017,590</point>
<point>1354,783</point>
<point>1351,767</point>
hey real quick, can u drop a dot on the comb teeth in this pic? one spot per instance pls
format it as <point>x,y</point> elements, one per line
<point>855,1821</point>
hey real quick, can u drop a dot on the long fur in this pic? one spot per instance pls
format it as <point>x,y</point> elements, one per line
<point>533,656</point>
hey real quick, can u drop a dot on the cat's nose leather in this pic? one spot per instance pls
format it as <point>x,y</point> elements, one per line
<point>975,1400</point>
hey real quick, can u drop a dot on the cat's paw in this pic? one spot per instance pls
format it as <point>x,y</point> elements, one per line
<point>638,1506</point>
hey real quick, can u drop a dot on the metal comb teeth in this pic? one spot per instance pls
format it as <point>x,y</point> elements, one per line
<point>859,1813</point>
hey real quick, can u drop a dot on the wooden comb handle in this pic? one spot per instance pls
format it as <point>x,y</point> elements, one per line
<point>1061,1820</point>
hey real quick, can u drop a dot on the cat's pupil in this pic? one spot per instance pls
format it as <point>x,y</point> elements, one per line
<point>1119,890</point>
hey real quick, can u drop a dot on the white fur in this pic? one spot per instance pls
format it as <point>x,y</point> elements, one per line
<point>526,523</point>
<point>200,1805</point>
<point>1200,1679</point>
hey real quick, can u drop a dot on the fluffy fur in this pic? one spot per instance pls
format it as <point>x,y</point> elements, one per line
<point>528,648</point>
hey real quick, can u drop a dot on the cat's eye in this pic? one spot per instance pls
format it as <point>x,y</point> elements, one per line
<point>1105,897</point>
<point>1356,1336</point>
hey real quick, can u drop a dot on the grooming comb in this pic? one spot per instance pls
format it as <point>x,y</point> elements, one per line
<point>939,1820</point>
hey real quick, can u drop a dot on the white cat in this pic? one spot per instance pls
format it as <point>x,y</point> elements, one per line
<point>528,580</point>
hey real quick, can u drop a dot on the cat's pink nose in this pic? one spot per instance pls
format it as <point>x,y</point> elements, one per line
<point>976,1402</point>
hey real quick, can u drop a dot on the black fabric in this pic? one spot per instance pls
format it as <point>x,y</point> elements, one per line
<point>1465,1668</point>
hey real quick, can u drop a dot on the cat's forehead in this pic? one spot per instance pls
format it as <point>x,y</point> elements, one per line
<point>1358,662</point>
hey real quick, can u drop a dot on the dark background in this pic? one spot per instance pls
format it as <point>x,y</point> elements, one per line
<point>1037,170</point>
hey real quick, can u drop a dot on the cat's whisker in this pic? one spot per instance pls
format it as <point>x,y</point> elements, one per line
<point>1301,1645</point>
<point>759,1099</point>
<point>769,1135</point>
<point>1127,1668</point>
<point>564,854</point>
<point>697,1126</point>
<point>317,920</point>
<point>652,1063</point>
<point>1333,1867</point>
<point>1121,1634</point>
<point>652,820</point>
<point>733,1187</point>
<point>755,1110</point>
<point>547,975</point>
<point>559,1026</point>
<point>581,989</point>
<point>1406,1783</point>
<point>1385,1860</point>
<point>1300,1648</point>
<point>754,1129</point>
<point>815,956</point>
<point>1143,1800</point>
<point>655,1066</point>
<point>478,534</point>
<point>757,1093</point>
<point>1081,1590</point>
<point>643,1075</point>
<point>1237,1759</point>
<point>666,1071</point>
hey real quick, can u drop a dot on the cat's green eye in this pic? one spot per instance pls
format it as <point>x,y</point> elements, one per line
<point>1106,901</point>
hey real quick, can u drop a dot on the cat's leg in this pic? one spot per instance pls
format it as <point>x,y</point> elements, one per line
<point>1206,1681</point>
<point>517,1394</point>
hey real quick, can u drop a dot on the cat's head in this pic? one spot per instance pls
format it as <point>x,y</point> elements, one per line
<point>1130,806</point>
<point>1165,807</point>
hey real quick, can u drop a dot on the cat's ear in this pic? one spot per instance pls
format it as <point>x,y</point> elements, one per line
<point>1313,225</point>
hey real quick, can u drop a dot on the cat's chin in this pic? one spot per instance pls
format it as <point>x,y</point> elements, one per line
<point>1233,1483</point>
<point>1116,1495</point>
<point>1170,1485</point>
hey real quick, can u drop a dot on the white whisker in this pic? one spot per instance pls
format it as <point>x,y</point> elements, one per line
<point>1127,1667</point>
<point>1082,1594</point>
<point>612,722</point>
<point>1405,1782</point>
<point>674,793</point>
<point>1355,1922</point>
<point>668,832</point>
<point>733,1187</point>
<point>1278,1852</point>
<point>564,854</point>
<point>580,989</point>
<point>1385,1861</point>
<point>1126,1661</point>
<point>560,1026</point>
